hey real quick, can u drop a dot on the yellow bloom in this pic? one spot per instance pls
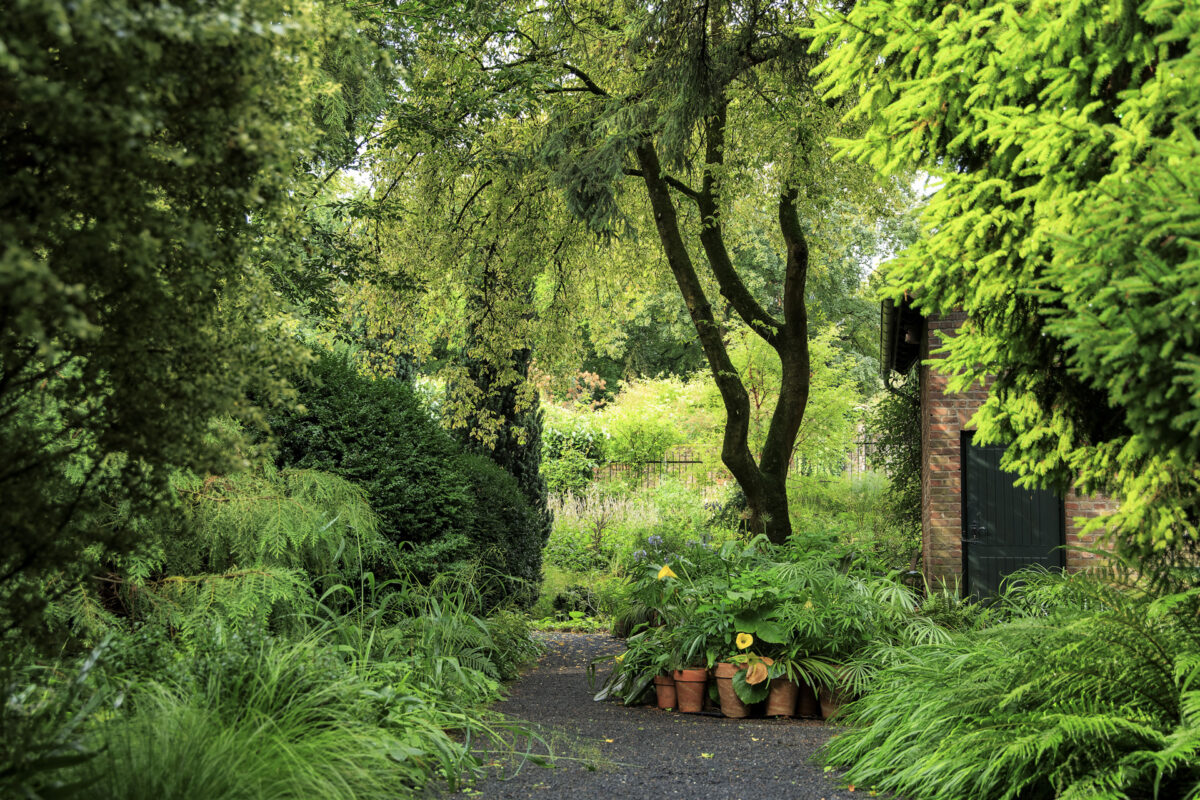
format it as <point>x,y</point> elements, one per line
<point>620,658</point>
<point>666,572</point>
<point>744,640</point>
<point>808,603</point>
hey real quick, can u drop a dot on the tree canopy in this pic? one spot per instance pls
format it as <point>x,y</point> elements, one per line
<point>1065,138</point>
<point>696,127</point>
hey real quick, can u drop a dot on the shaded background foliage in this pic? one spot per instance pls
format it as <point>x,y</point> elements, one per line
<point>141,169</point>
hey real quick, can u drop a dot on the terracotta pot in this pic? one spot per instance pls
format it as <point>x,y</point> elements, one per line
<point>731,705</point>
<point>806,703</point>
<point>689,689</point>
<point>781,701</point>
<point>664,689</point>
<point>832,701</point>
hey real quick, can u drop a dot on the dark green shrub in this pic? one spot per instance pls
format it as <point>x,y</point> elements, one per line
<point>377,434</point>
<point>506,536</point>
<point>443,507</point>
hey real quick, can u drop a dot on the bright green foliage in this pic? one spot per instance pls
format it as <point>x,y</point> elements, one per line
<point>819,620</point>
<point>573,445</point>
<point>135,152</point>
<point>1092,691</point>
<point>249,548</point>
<point>695,128</point>
<point>357,708</point>
<point>613,528</point>
<point>827,433</point>
<point>1066,226</point>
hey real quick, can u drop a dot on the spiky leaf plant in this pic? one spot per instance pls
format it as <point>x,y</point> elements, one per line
<point>1095,697</point>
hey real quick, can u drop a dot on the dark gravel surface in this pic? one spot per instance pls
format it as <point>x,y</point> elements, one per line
<point>607,751</point>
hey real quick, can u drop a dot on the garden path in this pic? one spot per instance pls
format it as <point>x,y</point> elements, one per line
<point>618,752</point>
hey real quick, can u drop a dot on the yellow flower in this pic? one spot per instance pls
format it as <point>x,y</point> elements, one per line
<point>666,572</point>
<point>744,640</point>
<point>808,603</point>
<point>620,658</point>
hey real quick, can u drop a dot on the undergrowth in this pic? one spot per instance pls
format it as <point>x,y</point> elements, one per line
<point>1085,687</point>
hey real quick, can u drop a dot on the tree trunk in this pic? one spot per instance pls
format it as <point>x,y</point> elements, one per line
<point>764,481</point>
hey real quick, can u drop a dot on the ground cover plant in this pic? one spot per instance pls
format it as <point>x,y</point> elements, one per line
<point>274,664</point>
<point>1085,686</point>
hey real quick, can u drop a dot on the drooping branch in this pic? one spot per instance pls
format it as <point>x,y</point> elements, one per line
<point>731,285</point>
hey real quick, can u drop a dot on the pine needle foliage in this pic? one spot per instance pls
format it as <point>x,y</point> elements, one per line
<point>1064,138</point>
<point>1094,697</point>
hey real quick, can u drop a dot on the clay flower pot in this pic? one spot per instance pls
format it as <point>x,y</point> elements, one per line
<point>731,704</point>
<point>664,689</point>
<point>806,703</point>
<point>689,689</point>
<point>781,702</point>
<point>832,701</point>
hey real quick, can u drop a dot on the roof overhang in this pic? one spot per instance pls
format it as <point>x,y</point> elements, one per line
<point>900,327</point>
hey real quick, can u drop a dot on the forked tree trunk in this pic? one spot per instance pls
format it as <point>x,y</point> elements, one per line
<point>763,480</point>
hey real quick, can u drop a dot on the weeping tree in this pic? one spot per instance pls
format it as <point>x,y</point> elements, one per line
<point>692,125</point>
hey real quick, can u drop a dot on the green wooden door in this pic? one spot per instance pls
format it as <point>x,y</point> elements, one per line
<point>1005,527</point>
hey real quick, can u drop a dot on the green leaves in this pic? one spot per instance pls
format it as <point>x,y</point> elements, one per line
<point>1066,228</point>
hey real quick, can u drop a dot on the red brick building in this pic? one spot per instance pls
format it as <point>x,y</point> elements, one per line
<point>976,526</point>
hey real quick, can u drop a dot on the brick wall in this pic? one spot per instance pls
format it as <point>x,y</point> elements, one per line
<point>943,419</point>
<point>1079,508</point>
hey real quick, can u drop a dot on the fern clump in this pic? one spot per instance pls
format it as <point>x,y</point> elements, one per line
<point>1094,692</point>
<point>247,549</point>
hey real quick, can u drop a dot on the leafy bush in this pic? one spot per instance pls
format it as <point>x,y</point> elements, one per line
<point>859,510</point>
<point>377,434</point>
<point>144,175</point>
<point>573,445</point>
<point>506,534</point>
<point>1089,690</point>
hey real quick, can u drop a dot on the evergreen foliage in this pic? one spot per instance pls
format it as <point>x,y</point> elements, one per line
<point>506,533</point>
<point>1064,136</point>
<point>134,152</point>
<point>375,433</point>
<point>443,509</point>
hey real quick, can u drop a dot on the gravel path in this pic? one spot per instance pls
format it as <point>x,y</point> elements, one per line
<point>607,751</point>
